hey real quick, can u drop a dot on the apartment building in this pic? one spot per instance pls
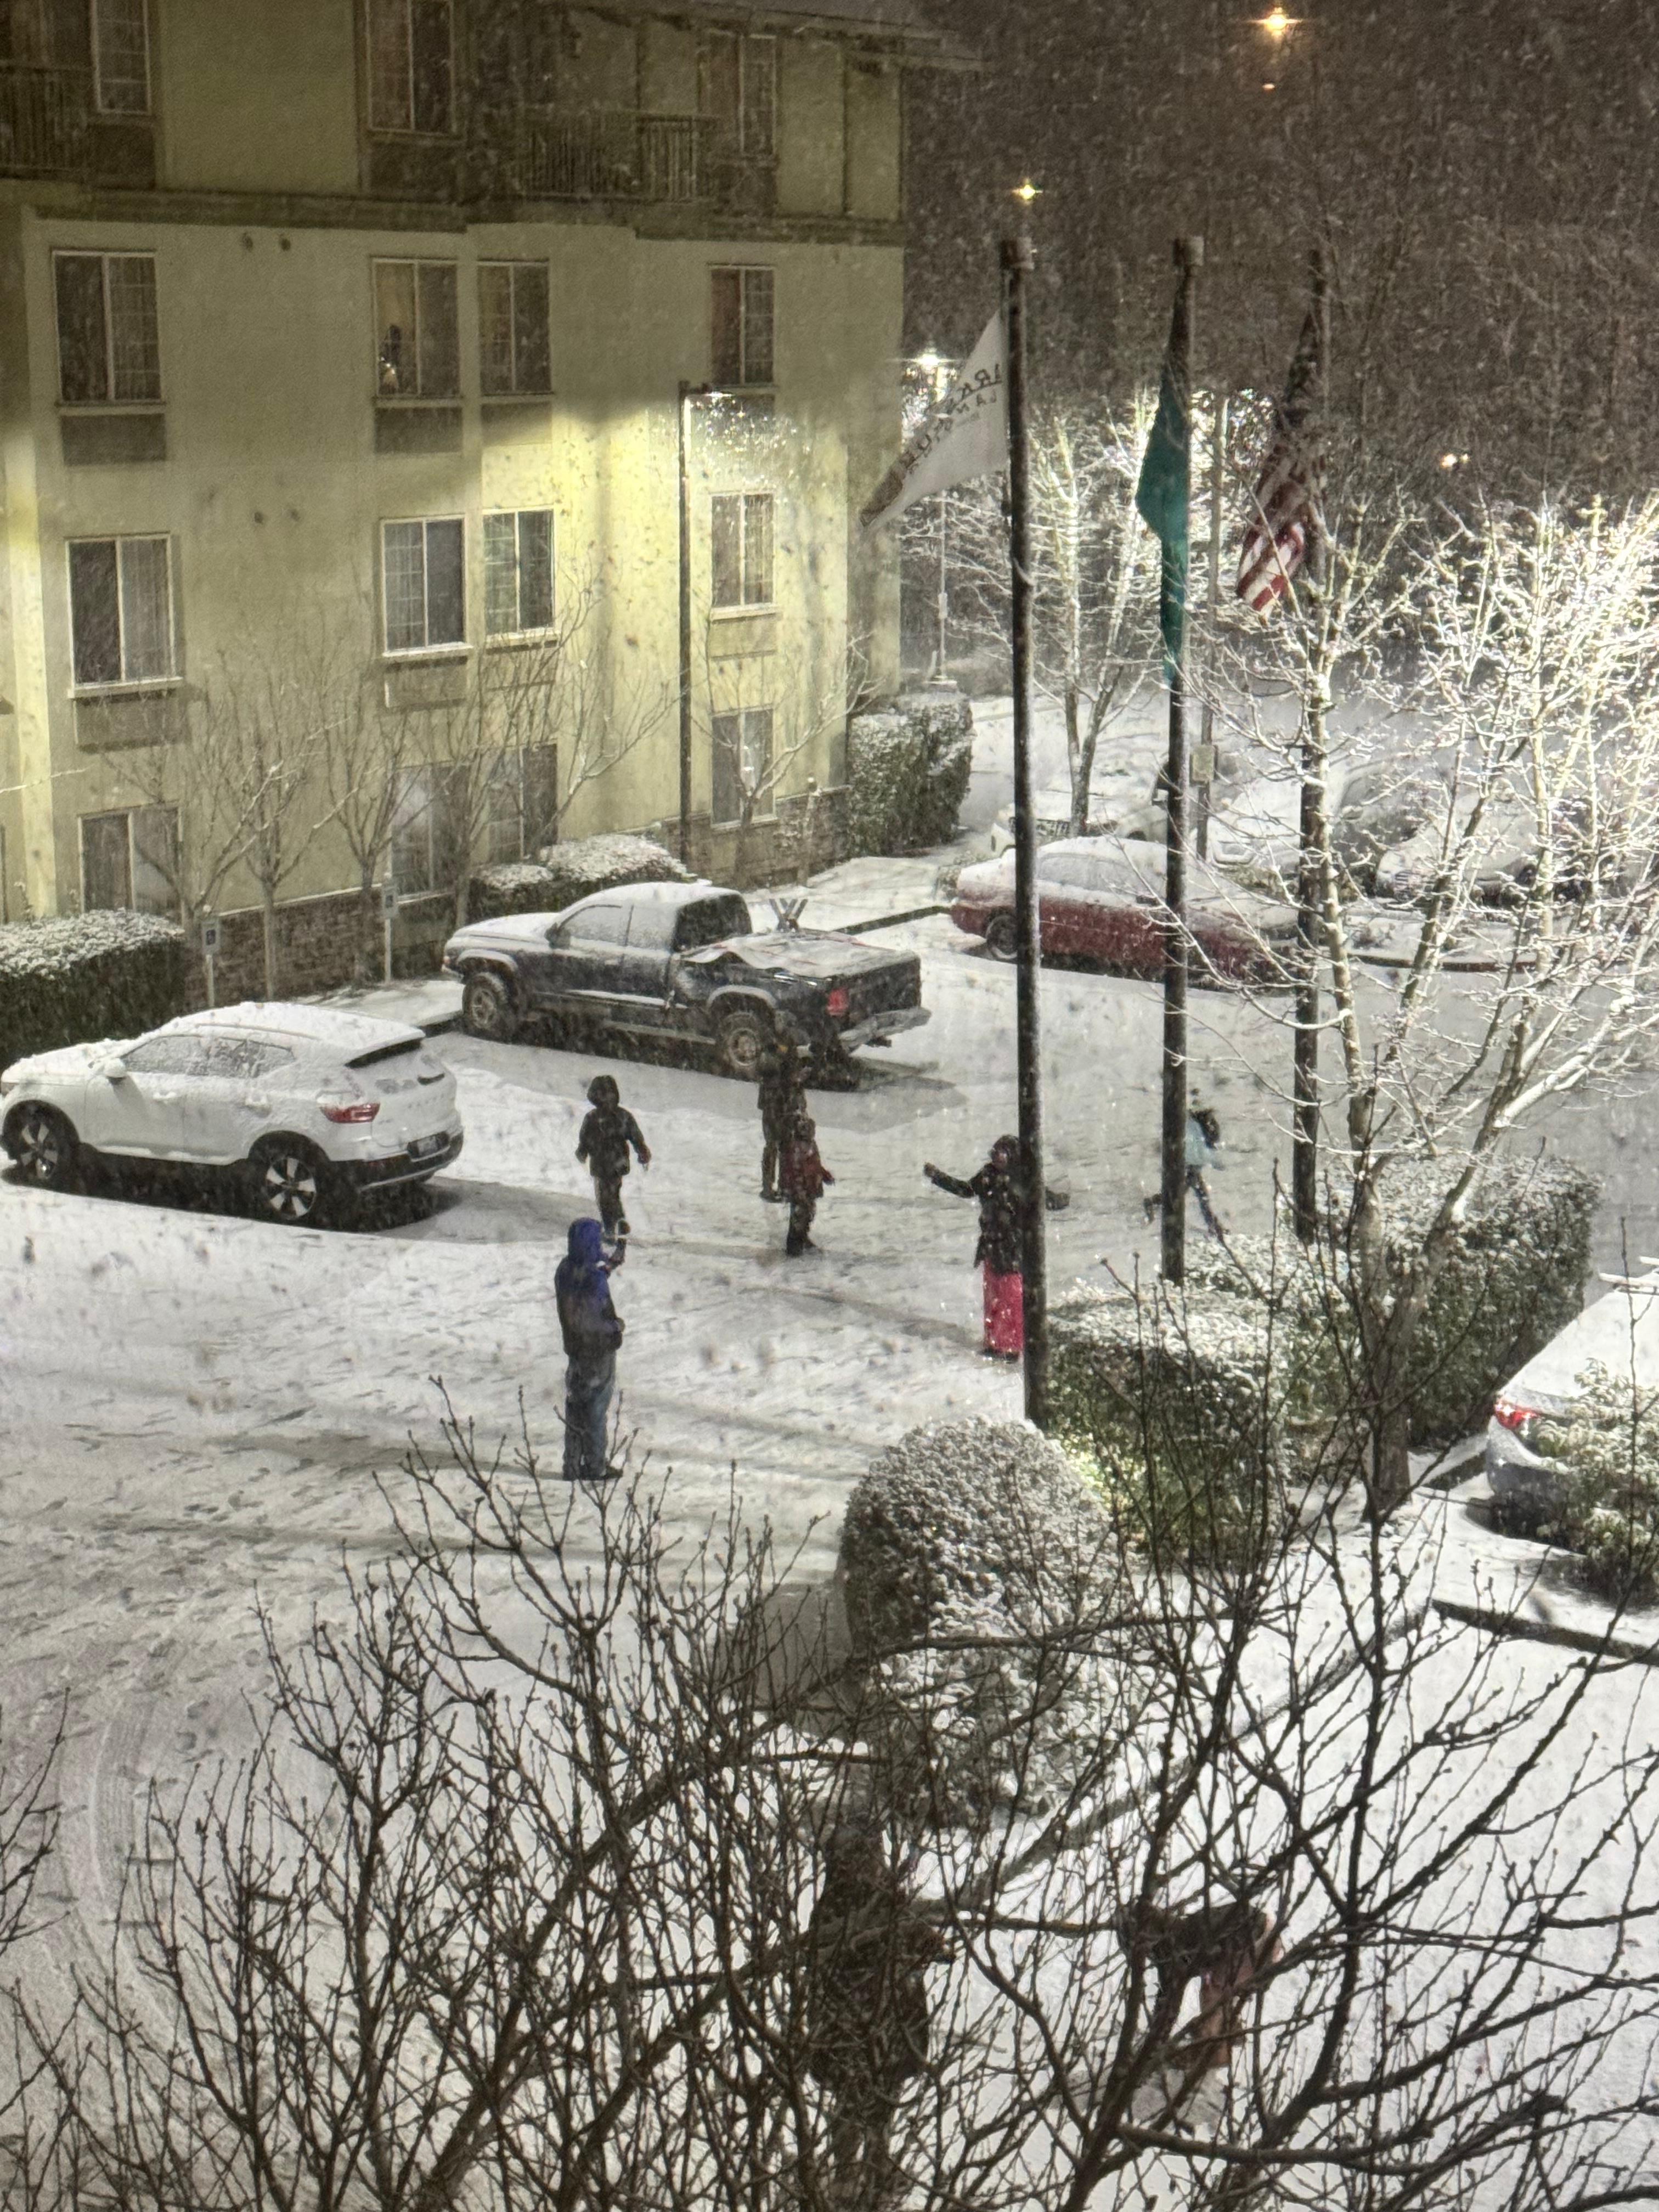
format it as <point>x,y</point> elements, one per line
<point>464,401</point>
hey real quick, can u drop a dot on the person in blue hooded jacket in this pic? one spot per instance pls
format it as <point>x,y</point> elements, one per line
<point>592,1331</point>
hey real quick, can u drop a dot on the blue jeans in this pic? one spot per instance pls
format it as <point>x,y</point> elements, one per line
<point>588,1384</point>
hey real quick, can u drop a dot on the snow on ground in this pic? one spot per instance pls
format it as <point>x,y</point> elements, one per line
<point>197,1405</point>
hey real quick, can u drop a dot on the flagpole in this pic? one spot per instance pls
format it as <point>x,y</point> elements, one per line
<point>1189,258</point>
<point>1018,260</point>
<point>1305,1087</point>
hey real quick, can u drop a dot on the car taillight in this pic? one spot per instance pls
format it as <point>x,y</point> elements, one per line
<point>841,1003</point>
<point>350,1109</point>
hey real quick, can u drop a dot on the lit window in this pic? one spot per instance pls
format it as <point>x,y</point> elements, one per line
<point>120,53</point>
<point>742,764</point>
<point>741,540</point>
<point>417,342</point>
<point>514,352</point>
<point>742,348</point>
<point>411,66</point>
<point>519,572</point>
<point>121,611</point>
<point>424,569</point>
<point>108,345</point>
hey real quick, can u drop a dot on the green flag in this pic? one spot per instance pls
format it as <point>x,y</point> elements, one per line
<point>1164,498</point>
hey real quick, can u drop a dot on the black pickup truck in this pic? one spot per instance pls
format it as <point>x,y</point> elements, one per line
<point>682,960</point>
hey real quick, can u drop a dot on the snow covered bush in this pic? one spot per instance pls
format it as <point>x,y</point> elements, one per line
<point>969,1552</point>
<point>108,973</point>
<point>907,765</point>
<point>1608,1455</point>
<point>565,873</point>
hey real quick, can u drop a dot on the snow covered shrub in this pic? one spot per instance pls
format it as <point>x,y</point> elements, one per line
<point>908,766</point>
<point>1608,1455</point>
<point>565,873</point>
<point>1515,1278</point>
<point>111,973</point>
<point>973,1558</point>
<point>1198,1409</point>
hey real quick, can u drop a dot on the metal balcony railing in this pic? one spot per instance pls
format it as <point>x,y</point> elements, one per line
<point>43,120</point>
<point>608,154</point>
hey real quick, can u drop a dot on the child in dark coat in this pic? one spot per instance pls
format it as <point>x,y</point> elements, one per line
<point>802,1178</point>
<point>606,1135</point>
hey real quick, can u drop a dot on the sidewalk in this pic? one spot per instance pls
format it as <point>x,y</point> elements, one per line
<point>432,1003</point>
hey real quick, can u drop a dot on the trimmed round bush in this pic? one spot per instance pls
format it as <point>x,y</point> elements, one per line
<point>908,766</point>
<point>1606,1453</point>
<point>111,974</point>
<point>973,1560</point>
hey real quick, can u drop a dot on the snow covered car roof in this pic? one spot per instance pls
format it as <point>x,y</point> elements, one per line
<point>328,1028</point>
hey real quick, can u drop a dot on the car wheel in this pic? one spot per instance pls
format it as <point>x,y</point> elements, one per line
<point>44,1146</point>
<point>1002,936</point>
<point>487,1009</point>
<point>743,1039</point>
<point>288,1182</point>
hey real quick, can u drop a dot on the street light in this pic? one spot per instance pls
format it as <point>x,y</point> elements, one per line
<point>1276,23</point>
<point>938,371</point>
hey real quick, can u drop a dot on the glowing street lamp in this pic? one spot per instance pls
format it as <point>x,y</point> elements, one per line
<point>938,371</point>
<point>1277,23</point>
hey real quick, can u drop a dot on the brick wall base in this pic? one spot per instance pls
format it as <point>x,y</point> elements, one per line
<point>322,945</point>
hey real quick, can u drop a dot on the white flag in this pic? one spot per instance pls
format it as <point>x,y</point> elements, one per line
<point>966,435</point>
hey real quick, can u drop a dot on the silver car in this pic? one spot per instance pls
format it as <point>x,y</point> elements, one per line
<point>309,1108</point>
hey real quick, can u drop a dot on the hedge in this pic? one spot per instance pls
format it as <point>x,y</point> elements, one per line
<point>104,975</point>
<point>565,873</point>
<point>1196,1405</point>
<point>971,1553</point>
<point>1606,1452</point>
<point>908,766</point>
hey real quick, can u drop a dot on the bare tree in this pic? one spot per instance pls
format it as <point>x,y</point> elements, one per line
<point>1095,613</point>
<point>755,749</point>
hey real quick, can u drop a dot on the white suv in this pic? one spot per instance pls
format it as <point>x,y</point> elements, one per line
<point>310,1107</point>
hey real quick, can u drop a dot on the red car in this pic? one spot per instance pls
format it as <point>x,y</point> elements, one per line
<point>1101,899</point>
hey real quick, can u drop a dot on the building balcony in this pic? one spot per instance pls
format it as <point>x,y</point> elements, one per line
<point>43,120</point>
<point>611,154</point>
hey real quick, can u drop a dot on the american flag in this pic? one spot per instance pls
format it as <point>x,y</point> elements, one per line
<point>1285,518</point>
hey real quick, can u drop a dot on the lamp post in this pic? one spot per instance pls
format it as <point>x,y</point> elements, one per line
<point>938,371</point>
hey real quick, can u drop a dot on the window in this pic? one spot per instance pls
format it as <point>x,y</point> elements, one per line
<point>429,831</point>
<point>515,355</point>
<point>519,572</point>
<point>524,810</point>
<point>741,535</point>
<point>417,336</point>
<point>743,763</point>
<point>740,93</point>
<point>130,860</point>
<point>742,349</point>
<point>167,1055</point>
<point>424,571</point>
<point>411,66</point>
<point>120,55</point>
<point>709,921</point>
<point>600,925</point>
<point>245,1059</point>
<point>108,345</point>
<point>121,611</point>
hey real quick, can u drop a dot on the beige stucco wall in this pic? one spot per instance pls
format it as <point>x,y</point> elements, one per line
<point>874,181</point>
<point>251,96</point>
<point>273,492</point>
<point>811,128</point>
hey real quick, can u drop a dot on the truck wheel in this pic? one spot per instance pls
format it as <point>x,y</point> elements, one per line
<point>487,1008</point>
<point>1002,936</point>
<point>742,1038</point>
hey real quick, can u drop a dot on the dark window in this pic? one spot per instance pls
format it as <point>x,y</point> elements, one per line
<point>742,764</point>
<point>514,348</point>
<point>129,859</point>
<point>428,831</point>
<point>742,350</point>
<point>710,921</point>
<point>411,66</point>
<point>120,53</point>
<point>651,925</point>
<point>741,543</point>
<point>425,583</point>
<point>519,572</point>
<point>417,334</point>
<point>740,93</point>
<point>523,803</point>
<point>108,343</point>
<point>121,610</point>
